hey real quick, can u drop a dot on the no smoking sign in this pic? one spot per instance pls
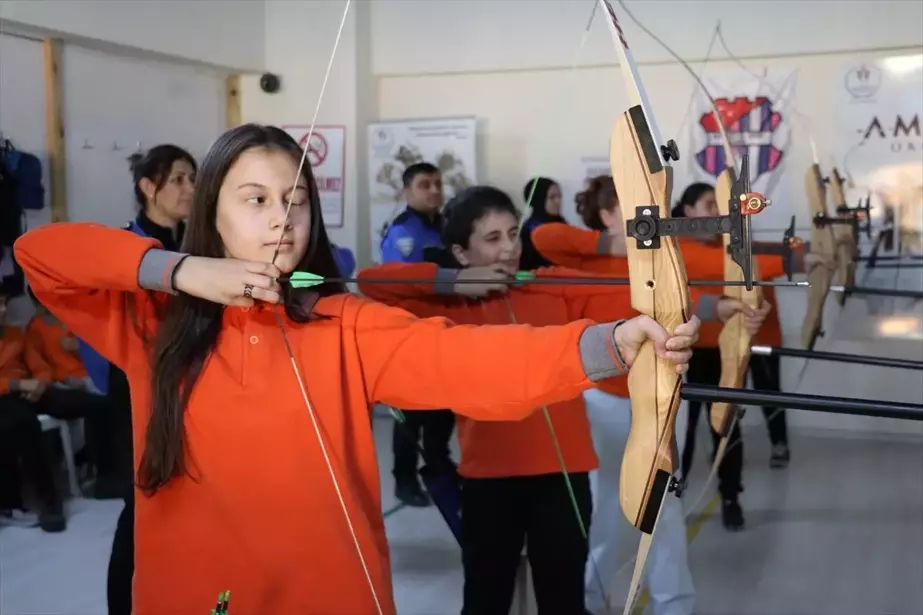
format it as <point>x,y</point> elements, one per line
<point>317,148</point>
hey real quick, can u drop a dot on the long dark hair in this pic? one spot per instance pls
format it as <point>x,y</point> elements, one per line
<point>155,165</point>
<point>461,213</point>
<point>537,188</point>
<point>599,195</point>
<point>190,326</point>
<point>690,197</point>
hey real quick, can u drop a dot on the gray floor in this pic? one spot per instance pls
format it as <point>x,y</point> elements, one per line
<point>840,533</point>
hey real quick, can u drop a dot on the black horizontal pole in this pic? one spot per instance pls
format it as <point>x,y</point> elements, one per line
<point>878,292</point>
<point>899,265</point>
<point>836,357</point>
<point>893,257</point>
<point>800,401</point>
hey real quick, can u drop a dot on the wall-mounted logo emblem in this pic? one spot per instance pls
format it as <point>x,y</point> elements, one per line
<point>863,81</point>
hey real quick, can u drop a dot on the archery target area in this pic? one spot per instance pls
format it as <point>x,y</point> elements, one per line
<point>480,175</point>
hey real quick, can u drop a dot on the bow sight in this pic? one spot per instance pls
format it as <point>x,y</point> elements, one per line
<point>786,249</point>
<point>647,227</point>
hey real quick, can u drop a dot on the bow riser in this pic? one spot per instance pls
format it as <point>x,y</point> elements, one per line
<point>822,242</point>
<point>734,340</point>
<point>644,181</point>
<point>847,250</point>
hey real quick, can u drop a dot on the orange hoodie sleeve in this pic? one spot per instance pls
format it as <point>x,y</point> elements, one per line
<point>703,261</point>
<point>35,359</point>
<point>89,294</point>
<point>770,266</point>
<point>420,364</point>
<point>569,246</point>
<point>401,281</point>
<point>619,296</point>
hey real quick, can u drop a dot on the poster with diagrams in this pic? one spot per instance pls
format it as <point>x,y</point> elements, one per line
<point>448,143</point>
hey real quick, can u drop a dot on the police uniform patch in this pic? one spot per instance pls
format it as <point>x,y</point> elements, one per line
<point>404,245</point>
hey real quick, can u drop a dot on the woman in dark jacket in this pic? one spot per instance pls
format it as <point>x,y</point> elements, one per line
<point>543,196</point>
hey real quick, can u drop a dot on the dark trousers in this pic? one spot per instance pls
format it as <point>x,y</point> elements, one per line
<point>21,447</point>
<point>433,428</point>
<point>499,517</point>
<point>122,558</point>
<point>766,373</point>
<point>122,562</point>
<point>705,368</point>
<point>70,404</point>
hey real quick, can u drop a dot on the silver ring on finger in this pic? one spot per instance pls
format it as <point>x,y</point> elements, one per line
<point>248,291</point>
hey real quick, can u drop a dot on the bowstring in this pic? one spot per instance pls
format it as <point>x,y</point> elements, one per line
<point>566,93</point>
<point>315,423</point>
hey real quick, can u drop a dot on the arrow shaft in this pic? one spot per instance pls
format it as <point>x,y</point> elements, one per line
<point>836,357</point>
<point>601,281</point>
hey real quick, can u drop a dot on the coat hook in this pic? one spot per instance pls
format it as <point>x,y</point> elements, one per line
<point>116,147</point>
<point>138,148</point>
<point>87,144</point>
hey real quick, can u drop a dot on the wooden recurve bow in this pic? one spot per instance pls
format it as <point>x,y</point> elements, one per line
<point>641,170</point>
<point>847,251</point>
<point>824,244</point>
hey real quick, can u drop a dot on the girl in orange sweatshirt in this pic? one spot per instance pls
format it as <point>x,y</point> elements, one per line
<point>602,250</point>
<point>251,400</point>
<point>513,492</point>
<point>698,200</point>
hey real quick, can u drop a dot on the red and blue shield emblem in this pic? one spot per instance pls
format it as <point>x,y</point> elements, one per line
<point>751,125</point>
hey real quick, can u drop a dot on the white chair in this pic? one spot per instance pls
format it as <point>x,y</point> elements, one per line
<point>67,445</point>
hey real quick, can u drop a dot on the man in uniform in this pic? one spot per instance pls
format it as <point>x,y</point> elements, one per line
<point>418,227</point>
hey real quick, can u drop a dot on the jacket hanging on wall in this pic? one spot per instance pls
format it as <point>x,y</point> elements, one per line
<point>21,189</point>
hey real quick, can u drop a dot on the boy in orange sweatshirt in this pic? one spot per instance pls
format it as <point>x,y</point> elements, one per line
<point>21,433</point>
<point>513,492</point>
<point>66,392</point>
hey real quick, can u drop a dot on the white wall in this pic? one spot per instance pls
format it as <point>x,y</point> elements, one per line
<point>139,103</point>
<point>226,33</point>
<point>299,38</point>
<point>448,36</point>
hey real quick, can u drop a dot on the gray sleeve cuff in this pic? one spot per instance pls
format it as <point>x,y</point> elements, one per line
<point>707,308</point>
<point>157,268</point>
<point>14,385</point>
<point>444,283</point>
<point>600,357</point>
<point>602,246</point>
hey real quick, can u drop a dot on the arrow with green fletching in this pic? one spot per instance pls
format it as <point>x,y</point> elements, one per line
<point>304,279</point>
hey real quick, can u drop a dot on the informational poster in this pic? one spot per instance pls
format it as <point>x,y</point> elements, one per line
<point>588,168</point>
<point>448,143</point>
<point>594,166</point>
<point>327,155</point>
<point>879,103</point>
<point>760,120</point>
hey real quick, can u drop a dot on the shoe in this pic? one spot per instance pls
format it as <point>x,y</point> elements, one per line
<point>732,515</point>
<point>411,494</point>
<point>780,456</point>
<point>51,519</point>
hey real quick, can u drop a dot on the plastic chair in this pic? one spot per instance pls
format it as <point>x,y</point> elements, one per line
<point>67,445</point>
